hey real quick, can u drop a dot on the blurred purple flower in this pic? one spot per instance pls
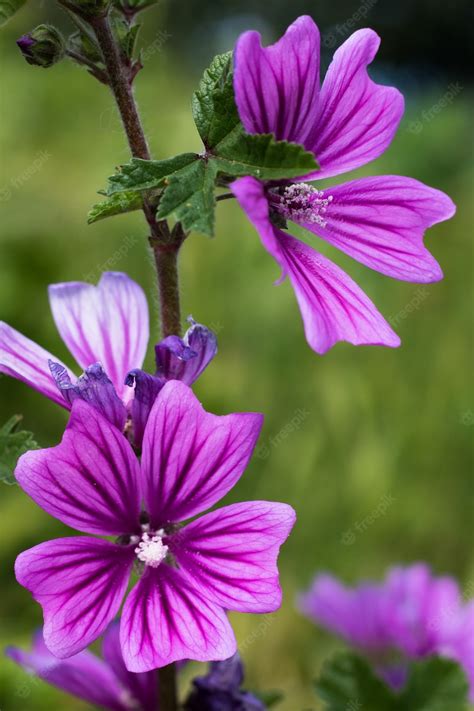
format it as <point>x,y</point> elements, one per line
<point>224,560</point>
<point>105,683</point>
<point>106,328</point>
<point>410,615</point>
<point>348,122</point>
<point>220,689</point>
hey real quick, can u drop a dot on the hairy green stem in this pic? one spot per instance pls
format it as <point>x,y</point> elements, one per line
<point>165,244</point>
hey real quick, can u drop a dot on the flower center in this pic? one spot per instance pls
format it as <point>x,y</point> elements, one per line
<point>151,549</point>
<point>301,202</point>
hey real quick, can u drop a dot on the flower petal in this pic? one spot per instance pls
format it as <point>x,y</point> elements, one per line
<point>166,618</point>
<point>381,222</point>
<point>80,583</point>
<point>276,87</point>
<point>107,323</point>
<point>83,675</point>
<point>91,481</point>
<point>233,552</point>
<point>333,307</point>
<point>146,388</point>
<point>142,687</point>
<point>186,358</point>
<point>191,458</point>
<point>356,118</point>
<point>24,360</point>
<point>93,387</point>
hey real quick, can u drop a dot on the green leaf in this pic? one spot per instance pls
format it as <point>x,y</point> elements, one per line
<point>269,698</point>
<point>126,34</point>
<point>435,685</point>
<point>214,109</point>
<point>13,443</point>
<point>8,8</point>
<point>347,683</point>
<point>263,157</point>
<point>139,175</point>
<point>189,196</point>
<point>115,205</point>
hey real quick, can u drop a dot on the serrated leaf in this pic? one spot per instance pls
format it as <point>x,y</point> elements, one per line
<point>435,685</point>
<point>214,109</point>
<point>8,8</point>
<point>13,443</point>
<point>348,682</point>
<point>189,196</point>
<point>115,205</point>
<point>139,175</point>
<point>126,34</point>
<point>262,157</point>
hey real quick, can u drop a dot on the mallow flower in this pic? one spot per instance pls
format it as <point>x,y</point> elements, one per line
<point>409,616</point>
<point>190,575</point>
<point>102,682</point>
<point>106,329</point>
<point>347,122</point>
<point>221,689</point>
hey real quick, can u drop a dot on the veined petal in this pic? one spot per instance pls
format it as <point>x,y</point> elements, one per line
<point>93,387</point>
<point>192,458</point>
<point>24,360</point>
<point>146,388</point>
<point>276,87</point>
<point>233,552</point>
<point>107,323</point>
<point>186,358</point>
<point>143,688</point>
<point>80,584</point>
<point>84,675</point>
<point>356,118</point>
<point>381,222</point>
<point>166,618</point>
<point>91,481</point>
<point>333,307</point>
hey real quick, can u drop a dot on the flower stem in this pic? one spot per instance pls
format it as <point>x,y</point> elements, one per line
<point>167,691</point>
<point>165,244</point>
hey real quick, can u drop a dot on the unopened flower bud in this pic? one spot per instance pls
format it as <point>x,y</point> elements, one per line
<point>42,47</point>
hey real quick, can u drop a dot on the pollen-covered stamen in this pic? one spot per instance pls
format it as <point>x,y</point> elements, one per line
<point>301,202</point>
<point>151,550</point>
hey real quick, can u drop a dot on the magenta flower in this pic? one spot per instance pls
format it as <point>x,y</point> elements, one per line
<point>346,123</point>
<point>224,560</point>
<point>106,683</point>
<point>106,328</point>
<point>410,615</point>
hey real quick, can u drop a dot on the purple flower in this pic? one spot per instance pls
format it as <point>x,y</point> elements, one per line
<point>106,683</point>
<point>189,577</point>
<point>346,123</point>
<point>410,615</point>
<point>220,689</point>
<point>106,328</point>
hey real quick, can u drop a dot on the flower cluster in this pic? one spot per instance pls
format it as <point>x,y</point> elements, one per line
<point>409,616</point>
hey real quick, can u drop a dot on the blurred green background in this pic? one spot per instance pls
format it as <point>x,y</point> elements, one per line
<point>343,433</point>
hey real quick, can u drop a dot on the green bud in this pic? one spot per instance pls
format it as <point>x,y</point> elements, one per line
<point>42,47</point>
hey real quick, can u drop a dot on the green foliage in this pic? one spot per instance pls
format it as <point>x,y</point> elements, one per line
<point>214,109</point>
<point>8,8</point>
<point>13,443</point>
<point>347,682</point>
<point>139,175</point>
<point>189,196</point>
<point>115,205</point>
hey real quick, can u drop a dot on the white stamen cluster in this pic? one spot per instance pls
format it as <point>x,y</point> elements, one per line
<point>303,203</point>
<point>151,549</point>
